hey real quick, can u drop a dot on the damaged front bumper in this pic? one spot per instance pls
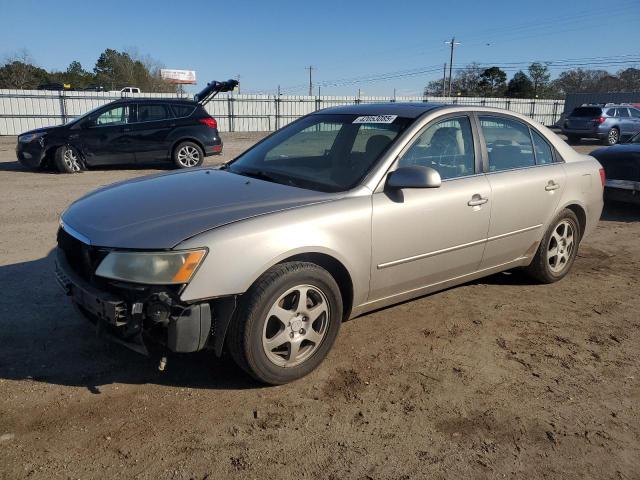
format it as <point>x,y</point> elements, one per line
<point>136,316</point>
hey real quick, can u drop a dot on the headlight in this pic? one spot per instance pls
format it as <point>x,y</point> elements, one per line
<point>157,268</point>
<point>30,137</point>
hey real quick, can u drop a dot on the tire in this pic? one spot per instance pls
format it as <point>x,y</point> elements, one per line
<point>613,137</point>
<point>68,159</point>
<point>188,155</point>
<point>272,337</point>
<point>563,237</point>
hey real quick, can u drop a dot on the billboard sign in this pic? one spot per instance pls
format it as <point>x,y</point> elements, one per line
<point>187,77</point>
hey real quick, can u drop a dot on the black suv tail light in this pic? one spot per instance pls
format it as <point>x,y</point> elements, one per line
<point>209,122</point>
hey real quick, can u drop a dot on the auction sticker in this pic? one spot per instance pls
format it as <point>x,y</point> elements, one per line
<point>376,119</point>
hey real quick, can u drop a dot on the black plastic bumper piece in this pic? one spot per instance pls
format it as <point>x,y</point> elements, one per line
<point>190,331</point>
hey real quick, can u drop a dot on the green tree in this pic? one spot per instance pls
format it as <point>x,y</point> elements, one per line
<point>540,76</point>
<point>493,82</point>
<point>629,80</point>
<point>18,71</point>
<point>520,86</point>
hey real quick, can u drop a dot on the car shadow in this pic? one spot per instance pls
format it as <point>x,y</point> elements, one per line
<point>15,166</point>
<point>44,339</point>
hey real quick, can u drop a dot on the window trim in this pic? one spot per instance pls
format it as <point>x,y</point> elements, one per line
<point>478,167</point>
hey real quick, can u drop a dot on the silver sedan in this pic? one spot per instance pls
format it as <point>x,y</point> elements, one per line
<point>339,213</point>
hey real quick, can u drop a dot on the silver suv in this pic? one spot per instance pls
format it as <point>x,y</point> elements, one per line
<point>607,122</point>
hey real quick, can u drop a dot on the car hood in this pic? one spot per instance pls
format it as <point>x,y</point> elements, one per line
<point>43,129</point>
<point>161,211</point>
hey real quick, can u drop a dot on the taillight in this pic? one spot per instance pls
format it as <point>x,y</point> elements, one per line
<point>209,122</point>
<point>603,177</point>
<point>600,120</point>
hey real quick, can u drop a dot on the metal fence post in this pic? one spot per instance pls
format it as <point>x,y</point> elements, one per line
<point>555,112</point>
<point>533,109</point>
<point>317,103</point>
<point>277,102</point>
<point>63,106</point>
<point>230,112</point>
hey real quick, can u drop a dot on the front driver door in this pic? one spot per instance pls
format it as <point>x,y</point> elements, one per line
<point>105,139</point>
<point>426,236</point>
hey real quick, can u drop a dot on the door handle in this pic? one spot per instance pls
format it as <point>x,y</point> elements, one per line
<point>476,200</point>
<point>551,186</point>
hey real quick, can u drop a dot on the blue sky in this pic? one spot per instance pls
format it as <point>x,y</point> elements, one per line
<point>269,43</point>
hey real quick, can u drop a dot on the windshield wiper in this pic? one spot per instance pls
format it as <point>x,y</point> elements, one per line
<point>264,175</point>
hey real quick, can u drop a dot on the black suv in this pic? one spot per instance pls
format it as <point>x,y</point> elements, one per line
<point>129,131</point>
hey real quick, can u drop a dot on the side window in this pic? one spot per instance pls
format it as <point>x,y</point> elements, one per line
<point>114,116</point>
<point>611,112</point>
<point>152,113</point>
<point>544,154</point>
<point>623,112</point>
<point>446,146</point>
<point>508,143</point>
<point>635,113</point>
<point>182,110</point>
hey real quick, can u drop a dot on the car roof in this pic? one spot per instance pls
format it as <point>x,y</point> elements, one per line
<point>407,110</point>
<point>155,100</point>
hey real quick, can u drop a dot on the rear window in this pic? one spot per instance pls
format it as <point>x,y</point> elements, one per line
<point>183,110</point>
<point>586,112</point>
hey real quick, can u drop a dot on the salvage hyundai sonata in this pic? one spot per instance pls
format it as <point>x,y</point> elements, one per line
<point>341,212</point>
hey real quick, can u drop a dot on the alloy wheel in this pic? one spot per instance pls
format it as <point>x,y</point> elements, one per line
<point>295,325</point>
<point>613,136</point>
<point>188,156</point>
<point>71,159</point>
<point>561,245</point>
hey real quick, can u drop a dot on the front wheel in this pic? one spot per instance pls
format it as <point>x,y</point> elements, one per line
<point>67,159</point>
<point>557,250</point>
<point>188,155</point>
<point>287,323</point>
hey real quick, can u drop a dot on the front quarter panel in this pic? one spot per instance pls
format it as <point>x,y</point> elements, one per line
<point>240,252</point>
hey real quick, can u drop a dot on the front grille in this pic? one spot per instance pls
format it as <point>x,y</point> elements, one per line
<point>82,258</point>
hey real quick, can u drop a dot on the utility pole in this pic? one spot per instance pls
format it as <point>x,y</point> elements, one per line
<point>278,90</point>
<point>318,90</point>
<point>453,44</point>
<point>444,79</point>
<point>310,68</point>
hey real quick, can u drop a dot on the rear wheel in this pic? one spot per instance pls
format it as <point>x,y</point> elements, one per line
<point>188,155</point>
<point>68,159</point>
<point>557,250</point>
<point>613,137</point>
<point>287,323</point>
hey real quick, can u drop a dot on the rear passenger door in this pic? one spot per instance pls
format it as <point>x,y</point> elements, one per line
<point>526,184</point>
<point>150,131</point>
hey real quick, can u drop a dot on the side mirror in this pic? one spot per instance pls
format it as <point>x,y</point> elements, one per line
<point>414,177</point>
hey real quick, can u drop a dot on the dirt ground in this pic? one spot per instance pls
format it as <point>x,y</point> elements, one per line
<point>499,378</point>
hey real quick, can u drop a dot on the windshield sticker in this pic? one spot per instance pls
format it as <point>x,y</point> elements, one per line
<point>376,119</point>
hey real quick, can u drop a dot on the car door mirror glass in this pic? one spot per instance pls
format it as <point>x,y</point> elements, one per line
<point>415,176</point>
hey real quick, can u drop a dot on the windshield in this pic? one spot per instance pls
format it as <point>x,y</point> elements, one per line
<point>325,152</point>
